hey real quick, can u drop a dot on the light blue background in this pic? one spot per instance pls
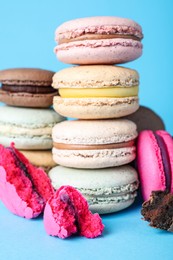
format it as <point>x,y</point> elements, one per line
<point>27,40</point>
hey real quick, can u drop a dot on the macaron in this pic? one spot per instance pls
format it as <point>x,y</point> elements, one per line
<point>155,161</point>
<point>27,87</point>
<point>42,158</point>
<point>28,128</point>
<point>146,119</point>
<point>24,189</point>
<point>94,143</point>
<point>106,190</point>
<point>96,92</point>
<point>98,40</point>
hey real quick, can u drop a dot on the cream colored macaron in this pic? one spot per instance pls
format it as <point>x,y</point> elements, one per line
<point>96,92</point>
<point>94,143</point>
<point>41,159</point>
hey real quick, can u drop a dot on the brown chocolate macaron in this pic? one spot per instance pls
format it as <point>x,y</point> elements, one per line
<point>146,119</point>
<point>27,87</point>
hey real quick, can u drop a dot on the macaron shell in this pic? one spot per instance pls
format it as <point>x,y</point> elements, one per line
<point>93,159</point>
<point>22,99</point>
<point>89,24</point>
<point>95,108</point>
<point>26,76</point>
<point>29,117</point>
<point>11,199</point>
<point>94,131</point>
<point>146,119</point>
<point>169,145</point>
<point>93,179</point>
<point>99,52</point>
<point>95,76</point>
<point>27,142</point>
<point>149,163</point>
<point>106,207</point>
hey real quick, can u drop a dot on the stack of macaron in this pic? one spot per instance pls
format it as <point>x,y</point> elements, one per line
<point>94,151</point>
<point>27,118</point>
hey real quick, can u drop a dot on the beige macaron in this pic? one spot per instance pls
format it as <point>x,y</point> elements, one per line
<point>96,92</point>
<point>41,159</point>
<point>94,143</point>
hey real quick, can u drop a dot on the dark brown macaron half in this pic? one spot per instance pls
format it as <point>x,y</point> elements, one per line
<point>146,119</point>
<point>27,87</point>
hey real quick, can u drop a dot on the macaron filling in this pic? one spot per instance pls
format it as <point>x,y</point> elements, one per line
<point>165,160</point>
<point>64,146</point>
<point>28,89</point>
<point>110,92</point>
<point>104,31</point>
<point>99,37</point>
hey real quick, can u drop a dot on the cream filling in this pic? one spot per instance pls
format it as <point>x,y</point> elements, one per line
<point>111,92</point>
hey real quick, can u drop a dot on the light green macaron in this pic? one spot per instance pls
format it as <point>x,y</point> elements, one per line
<point>28,128</point>
<point>107,190</point>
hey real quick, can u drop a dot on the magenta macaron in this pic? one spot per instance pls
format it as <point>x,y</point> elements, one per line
<point>98,40</point>
<point>155,161</point>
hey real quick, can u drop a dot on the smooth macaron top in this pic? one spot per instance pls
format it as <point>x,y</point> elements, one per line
<point>28,117</point>
<point>94,131</point>
<point>93,179</point>
<point>26,76</point>
<point>100,25</point>
<point>95,76</point>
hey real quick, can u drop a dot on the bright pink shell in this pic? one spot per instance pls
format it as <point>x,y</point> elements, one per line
<point>24,189</point>
<point>67,213</point>
<point>149,161</point>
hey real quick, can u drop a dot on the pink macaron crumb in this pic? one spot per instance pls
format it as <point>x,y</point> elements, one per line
<point>23,187</point>
<point>67,213</point>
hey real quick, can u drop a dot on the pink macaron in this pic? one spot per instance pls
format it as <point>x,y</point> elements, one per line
<point>98,40</point>
<point>155,161</point>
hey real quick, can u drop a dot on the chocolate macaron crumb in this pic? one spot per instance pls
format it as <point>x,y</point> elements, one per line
<point>158,210</point>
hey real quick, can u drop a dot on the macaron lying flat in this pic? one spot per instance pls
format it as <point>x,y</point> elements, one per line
<point>98,40</point>
<point>106,190</point>
<point>155,161</point>
<point>146,119</point>
<point>42,158</point>
<point>94,143</point>
<point>96,92</point>
<point>26,87</point>
<point>28,128</point>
